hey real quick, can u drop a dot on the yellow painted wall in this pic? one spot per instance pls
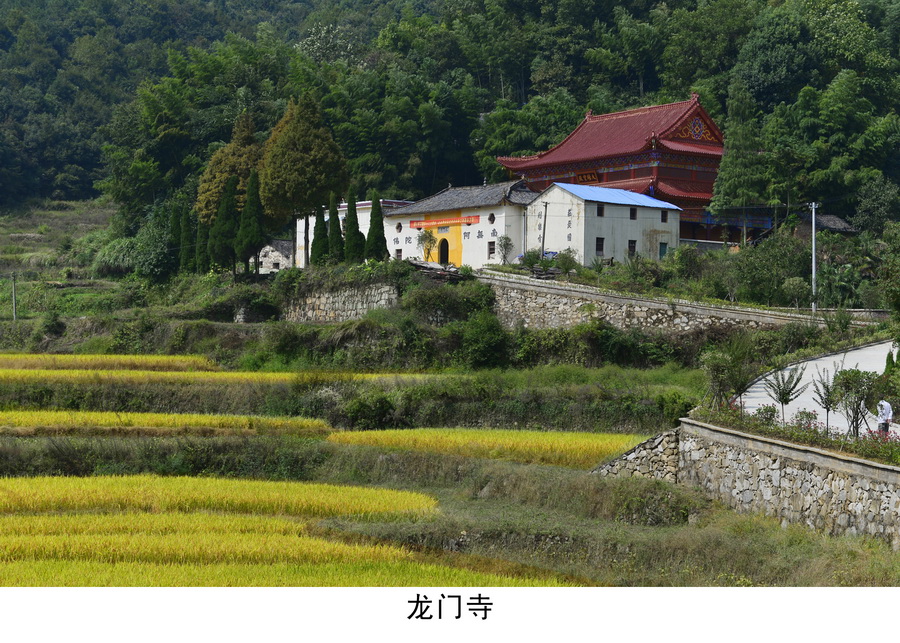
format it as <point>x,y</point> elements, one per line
<point>453,237</point>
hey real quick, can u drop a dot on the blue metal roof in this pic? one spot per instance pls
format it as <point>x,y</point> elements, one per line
<point>615,196</point>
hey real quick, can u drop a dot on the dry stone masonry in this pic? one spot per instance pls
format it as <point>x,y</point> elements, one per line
<point>341,305</point>
<point>799,485</point>
<point>655,458</point>
<point>544,304</point>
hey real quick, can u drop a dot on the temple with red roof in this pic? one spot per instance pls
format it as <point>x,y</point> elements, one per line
<point>671,152</point>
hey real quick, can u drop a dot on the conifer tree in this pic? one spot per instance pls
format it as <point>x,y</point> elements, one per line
<point>224,229</point>
<point>250,237</point>
<point>335,238</point>
<point>376,243</point>
<point>319,252</point>
<point>187,254</point>
<point>355,243</point>
<point>238,158</point>
<point>301,164</point>
<point>201,246</point>
<point>174,241</point>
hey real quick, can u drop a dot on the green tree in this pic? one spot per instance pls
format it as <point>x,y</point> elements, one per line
<point>427,242</point>
<point>187,252</point>
<point>376,242</point>
<point>335,238</point>
<point>784,386</point>
<point>853,388</point>
<point>319,251</point>
<point>250,236</point>
<point>301,165</point>
<point>879,202</point>
<point>741,178</point>
<point>201,260</point>
<point>504,247</point>
<point>355,243</point>
<point>224,228</point>
<point>238,158</point>
<point>825,393</point>
<point>631,50</point>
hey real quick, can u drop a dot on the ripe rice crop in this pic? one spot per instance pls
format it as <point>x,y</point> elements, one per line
<point>158,494</point>
<point>194,538</point>
<point>107,362</point>
<point>12,375</point>
<point>105,423</point>
<point>568,449</point>
<point>388,573</point>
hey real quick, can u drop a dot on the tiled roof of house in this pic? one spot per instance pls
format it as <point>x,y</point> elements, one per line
<point>473,196</point>
<point>629,132</point>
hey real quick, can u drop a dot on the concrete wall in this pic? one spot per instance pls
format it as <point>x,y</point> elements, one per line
<point>553,304</point>
<point>830,492</point>
<point>341,305</point>
<point>573,223</point>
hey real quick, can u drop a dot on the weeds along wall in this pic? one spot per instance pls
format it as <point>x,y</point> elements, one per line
<point>541,304</point>
<point>803,485</point>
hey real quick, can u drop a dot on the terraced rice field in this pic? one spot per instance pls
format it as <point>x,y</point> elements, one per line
<point>91,423</point>
<point>147,530</point>
<point>125,377</point>
<point>107,362</point>
<point>568,449</point>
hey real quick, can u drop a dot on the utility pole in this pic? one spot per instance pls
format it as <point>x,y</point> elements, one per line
<point>813,205</point>
<point>544,231</point>
<point>15,315</point>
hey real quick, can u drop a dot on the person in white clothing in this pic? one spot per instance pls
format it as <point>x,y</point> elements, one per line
<point>885,416</point>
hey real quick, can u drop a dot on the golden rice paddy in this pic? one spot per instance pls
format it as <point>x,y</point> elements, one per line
<point>107,362</point>
<point>568,449</point>
<point>90,423</point>
<point>153,531</point>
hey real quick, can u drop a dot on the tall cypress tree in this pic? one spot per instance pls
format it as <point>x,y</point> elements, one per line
<point>318,253</point>
<point>250,237</point>
<point>376,243</point>
<point>187,253</point>
<point>224,228</point>
<point>355,243</point>
<point>335,238</point>
<point>174,243</point>
<point>201,258</point>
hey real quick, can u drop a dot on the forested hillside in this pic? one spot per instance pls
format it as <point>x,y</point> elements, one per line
<point>133,97</point>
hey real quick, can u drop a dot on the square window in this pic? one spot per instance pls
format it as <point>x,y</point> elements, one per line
<point>632,214</point>
<point>276,265</point>
<point>398,254</point>
<point>663,250</point>
<point>491,249</point>
<point>600,208</point>
<point>632,247</point>
<point>664,216</point>
<point>598,246</point>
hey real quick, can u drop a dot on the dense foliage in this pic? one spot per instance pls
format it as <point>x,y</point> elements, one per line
<point>425,96</point>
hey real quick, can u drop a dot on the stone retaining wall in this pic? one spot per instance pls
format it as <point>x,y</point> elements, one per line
<point>801,485</point>
<point>551,304</point>
<point>341,305</point>
<point>655,458</point>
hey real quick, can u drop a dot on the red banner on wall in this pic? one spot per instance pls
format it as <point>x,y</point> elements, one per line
<point>434,223</point>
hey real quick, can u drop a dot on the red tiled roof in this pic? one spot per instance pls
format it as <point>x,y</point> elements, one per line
<point>684,189</point>
<point>615,134</point>
<point>695,148</point>
<point>632,185</point>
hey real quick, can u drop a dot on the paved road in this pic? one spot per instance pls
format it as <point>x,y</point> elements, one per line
<point>870,358</point>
